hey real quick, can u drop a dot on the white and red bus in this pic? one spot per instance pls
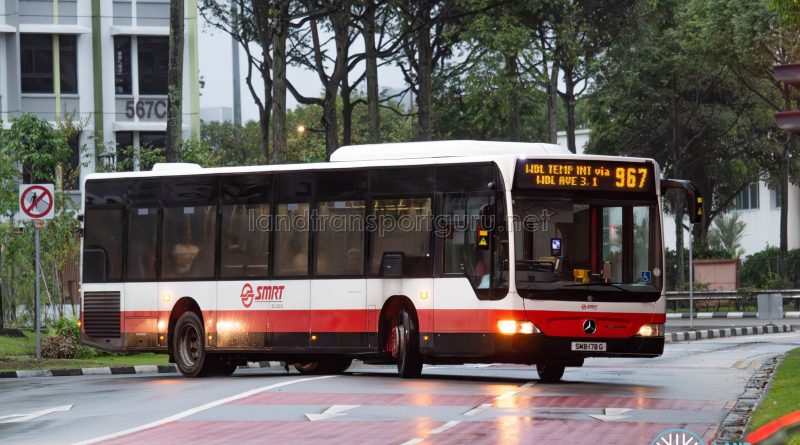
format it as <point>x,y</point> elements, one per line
<point>410,253</point>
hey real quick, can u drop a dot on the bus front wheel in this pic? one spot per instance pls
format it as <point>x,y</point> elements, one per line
<point>404,345</point>
<point>550,373</point>
<point>188,346</point>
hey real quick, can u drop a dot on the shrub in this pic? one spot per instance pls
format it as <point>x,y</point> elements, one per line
<point>60,346</point>
<point>65,340</point>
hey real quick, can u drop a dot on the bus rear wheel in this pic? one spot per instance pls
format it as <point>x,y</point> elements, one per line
<point>335,365</point>
<point>404,346</point>
<point>550,373</point>
<point>188,346</point>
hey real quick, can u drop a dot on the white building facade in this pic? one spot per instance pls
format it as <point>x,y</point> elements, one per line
<point>103,60</point>
<point>758,206</point>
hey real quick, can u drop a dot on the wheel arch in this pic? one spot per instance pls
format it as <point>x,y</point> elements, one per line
<point>389,310</point>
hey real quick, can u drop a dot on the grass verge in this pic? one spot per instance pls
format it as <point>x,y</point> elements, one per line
<point>29,363</point>
<point>783,396</point>
<point>16,354</point>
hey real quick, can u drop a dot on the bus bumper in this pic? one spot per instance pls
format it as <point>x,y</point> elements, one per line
<point>540,348</point>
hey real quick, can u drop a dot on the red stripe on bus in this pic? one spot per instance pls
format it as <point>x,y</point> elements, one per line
<point>556,323</point>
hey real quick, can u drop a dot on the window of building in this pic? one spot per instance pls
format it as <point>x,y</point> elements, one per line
<point>153,55</point>
<point>72,175</point>
<point>747,199</point>
<point>403,225</point>
<point>291,239</point>
<point>122,65</point>
<point>36,63</point>
<point>129,152</point>
<point>340,238</point>
<point>775,194</point>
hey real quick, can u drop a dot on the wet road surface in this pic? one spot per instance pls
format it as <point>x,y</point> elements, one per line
<point>693,386</point>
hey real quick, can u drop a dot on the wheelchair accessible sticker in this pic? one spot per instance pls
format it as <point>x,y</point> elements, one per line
<point>646,277</point>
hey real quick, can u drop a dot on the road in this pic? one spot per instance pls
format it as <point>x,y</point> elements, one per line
<point>693,385</point>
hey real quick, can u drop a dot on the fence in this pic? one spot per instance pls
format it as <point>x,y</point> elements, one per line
<point>713,301</point>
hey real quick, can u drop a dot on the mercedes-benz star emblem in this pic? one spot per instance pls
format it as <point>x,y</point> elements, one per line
<point>589,327</point>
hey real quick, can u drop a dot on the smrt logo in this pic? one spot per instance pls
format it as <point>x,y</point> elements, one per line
<point>247,295</point>
<point>261,294</point>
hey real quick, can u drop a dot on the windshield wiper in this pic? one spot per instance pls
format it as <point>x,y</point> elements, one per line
<point>599,283</point>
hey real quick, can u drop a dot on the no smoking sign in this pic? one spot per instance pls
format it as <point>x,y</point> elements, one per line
<point>36,201</point>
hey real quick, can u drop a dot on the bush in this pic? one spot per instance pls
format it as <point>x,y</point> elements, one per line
<point>60,346</point>
<point>65,340</point>
<point>65,326</point>
<point>765,270</point>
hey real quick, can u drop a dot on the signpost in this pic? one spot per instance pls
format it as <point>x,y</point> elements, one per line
<point>36,202</point>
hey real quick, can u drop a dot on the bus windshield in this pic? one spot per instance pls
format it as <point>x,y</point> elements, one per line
<point>584,248</point>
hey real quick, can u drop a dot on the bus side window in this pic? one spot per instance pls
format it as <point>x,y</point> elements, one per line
<point>291,239</point>
<point>142,233</point>
<point>340,238</point>
<point>403,225</point>
<point>245,237</point>
<point>103,245</point>
<point>188,242</point>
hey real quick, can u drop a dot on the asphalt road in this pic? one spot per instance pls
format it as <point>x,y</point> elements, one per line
<point>693,386</point>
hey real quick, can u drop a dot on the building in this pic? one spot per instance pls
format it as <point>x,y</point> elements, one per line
<point>758,205</point>
<point>103,60</point>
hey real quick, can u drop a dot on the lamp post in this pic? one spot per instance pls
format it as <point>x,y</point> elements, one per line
<point>107,161</point>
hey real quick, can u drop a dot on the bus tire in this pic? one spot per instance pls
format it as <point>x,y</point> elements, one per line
<point>188,346</point>
<point>336,365</point>
<point>550,373</point>
<point>409,359</point>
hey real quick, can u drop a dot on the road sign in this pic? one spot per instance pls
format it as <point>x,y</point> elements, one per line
<point>36,201</point>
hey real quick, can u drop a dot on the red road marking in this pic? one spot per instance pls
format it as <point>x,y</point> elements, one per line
<point>307,433</point>
<point>506,430</point>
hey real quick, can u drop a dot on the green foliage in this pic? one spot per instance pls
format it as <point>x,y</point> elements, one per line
<point>65,326</point>
<point>727,234</point>
<point>41,149</point>
<point>766,270</point>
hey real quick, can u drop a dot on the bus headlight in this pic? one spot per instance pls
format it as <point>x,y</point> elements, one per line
<point>651,330</point>
<point>509,327</point>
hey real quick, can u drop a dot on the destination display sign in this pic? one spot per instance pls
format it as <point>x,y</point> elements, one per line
<point>552,174</point>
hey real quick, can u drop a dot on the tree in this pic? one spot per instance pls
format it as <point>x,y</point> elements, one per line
<point>33,145</point>
<point>727,235</point>
<point>261,28</point>
<point>754,38</point>
<point>175,82</point>
<point>663,96</point>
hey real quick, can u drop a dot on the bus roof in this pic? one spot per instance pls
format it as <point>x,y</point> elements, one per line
<point>442,149</point>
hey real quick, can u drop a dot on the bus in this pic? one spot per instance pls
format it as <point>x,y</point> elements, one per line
<point>442,252</point>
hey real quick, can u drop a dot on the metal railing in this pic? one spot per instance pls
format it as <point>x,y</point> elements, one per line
<point>728,300</point>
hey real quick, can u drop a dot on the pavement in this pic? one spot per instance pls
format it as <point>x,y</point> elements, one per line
<point>680,324</point>
<point>695,385</point>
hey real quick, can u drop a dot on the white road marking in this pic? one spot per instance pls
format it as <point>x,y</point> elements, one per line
<point>477,409</point>
<point>445,427</point>
<point>333,411</point>
<point>200,408</point>
<point>16,418</point>
<point>611,414</point>
<point>528,385</point>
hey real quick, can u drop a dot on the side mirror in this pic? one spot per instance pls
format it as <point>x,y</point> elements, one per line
<point>694,200</point>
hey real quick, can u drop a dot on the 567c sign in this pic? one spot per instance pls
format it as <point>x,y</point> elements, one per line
<point>146,108</point>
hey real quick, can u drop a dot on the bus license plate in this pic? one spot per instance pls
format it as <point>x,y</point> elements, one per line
<point>585,346</point>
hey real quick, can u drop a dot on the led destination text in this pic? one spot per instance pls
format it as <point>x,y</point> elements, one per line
<point>589,175</point>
